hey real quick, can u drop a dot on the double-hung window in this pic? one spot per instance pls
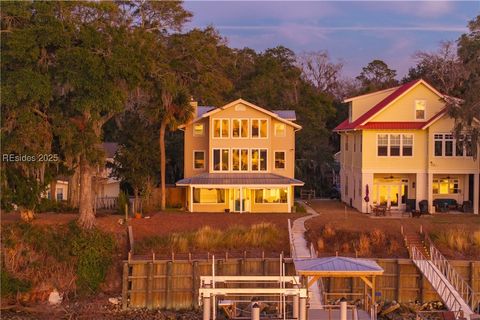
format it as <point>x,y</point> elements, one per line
<point>446,145</point>
<point>221,159</point>
<point>199,160</point>
<point>420,106</point>
<point>220,128</point>
<point>239,159</point>
<point>259,128</point>
<point>382,144</point>
<point>280,129</point>
<point>407,145</point>
<point>438,141</point>
<point>259,159</point>
<point>394,145</point>
<point>279,159</point>
<point>198,129</point>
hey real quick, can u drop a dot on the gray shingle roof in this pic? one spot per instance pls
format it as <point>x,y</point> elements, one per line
<point>286,114</point>
<point>337,264</point>
<point>239,179</point>
<point>201,110</point>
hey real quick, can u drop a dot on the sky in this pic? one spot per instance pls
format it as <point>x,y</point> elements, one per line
<point>353,32</point>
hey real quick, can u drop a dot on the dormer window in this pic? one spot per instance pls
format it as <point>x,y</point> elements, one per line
<point>420,106</point>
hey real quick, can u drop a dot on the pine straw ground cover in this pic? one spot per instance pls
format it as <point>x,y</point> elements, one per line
<point>349,232</point>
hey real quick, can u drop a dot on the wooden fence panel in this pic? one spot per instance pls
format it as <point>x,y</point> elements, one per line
<point>174,284</point>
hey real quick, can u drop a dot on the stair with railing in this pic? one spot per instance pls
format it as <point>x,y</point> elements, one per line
<point>454,291</point>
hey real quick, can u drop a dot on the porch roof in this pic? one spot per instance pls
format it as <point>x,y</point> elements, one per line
<point>241,179</point>
<point>337,266</point>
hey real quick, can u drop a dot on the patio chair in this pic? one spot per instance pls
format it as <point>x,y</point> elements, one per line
<point>466,207</point>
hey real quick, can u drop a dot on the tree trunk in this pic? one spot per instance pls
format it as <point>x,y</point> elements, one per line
<point>73,183</point>
<point>87,216</point>
<point>163,161</point>
<point>53,189</point>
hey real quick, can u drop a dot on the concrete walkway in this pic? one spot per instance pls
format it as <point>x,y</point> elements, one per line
<point>302,251</point>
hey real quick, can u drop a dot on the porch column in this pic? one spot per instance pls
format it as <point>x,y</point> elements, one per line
<point>420,188</point>
<point>367,179</point>
<point>289,198</point>
<point>476,192</point>
<point>190,202</point>
<point>430,192</point>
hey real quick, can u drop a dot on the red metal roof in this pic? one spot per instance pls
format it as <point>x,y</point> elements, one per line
<point>357,124</point>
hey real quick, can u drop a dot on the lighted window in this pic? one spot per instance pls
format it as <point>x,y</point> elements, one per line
<point>203,195</point>
<point>420,106</point>
<point>382,145</point>
<point>220,128</point>
<point>240,159</point>
<point>240,128</point>
<point>225,128</point>
<point>220,159</point>
<point>279,159</point>
<point>198,129</point>
<point>280,129</point>
<point>445,186</point>
<point>199,159</point>
<point>259,159</point>
<point>271,196</point>
<point>259,128</point>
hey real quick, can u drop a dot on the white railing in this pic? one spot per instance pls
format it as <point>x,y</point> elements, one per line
<point>437,280</point>
<point>290,238</point>
<point>456,280</point>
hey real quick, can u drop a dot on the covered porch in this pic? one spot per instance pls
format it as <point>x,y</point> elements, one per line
<point>442,192</point>
<point>237,192</point>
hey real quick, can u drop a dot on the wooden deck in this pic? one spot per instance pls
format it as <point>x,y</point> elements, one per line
<point>317,314</point>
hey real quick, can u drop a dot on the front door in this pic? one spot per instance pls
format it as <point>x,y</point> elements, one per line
<point>390,195</point>
<point>240,200</point>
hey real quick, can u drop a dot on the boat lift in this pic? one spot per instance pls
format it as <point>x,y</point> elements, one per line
<point>255,293</point>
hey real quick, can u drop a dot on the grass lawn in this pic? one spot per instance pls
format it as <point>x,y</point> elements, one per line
<point>342,230</point>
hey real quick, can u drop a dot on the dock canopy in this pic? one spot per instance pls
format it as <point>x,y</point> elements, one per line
<point>337,266</point>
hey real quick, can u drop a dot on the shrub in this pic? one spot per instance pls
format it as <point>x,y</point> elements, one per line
<point>476,238</point>
<point>299,208</point>
<point>94,251</point>
<point>261,235</point>
<point>11,285</point>
<point>207,238</point>
<point>58,255</point>
<point>377,237</point>
<point>122,202</point>
<point>364,245</point>
<point>328,231</point>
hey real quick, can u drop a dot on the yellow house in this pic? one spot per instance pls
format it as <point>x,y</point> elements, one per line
<point>240,158</point>
<point>399,142</point>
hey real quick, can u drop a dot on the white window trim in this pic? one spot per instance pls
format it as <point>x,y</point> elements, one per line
<point>263,196</point>
<point>285,159</point>
<point>203,130</point>
<point>204,159</point>
<point>415,110</point>
<point>251,162</point>
<point>454,150</point>
<point>221,127</point>
<point>248,128</point>
<point>401,145</point>
<point>248,160</point>
<point>275,131</point>
<point>251,131</point>
<point>213,161</point>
